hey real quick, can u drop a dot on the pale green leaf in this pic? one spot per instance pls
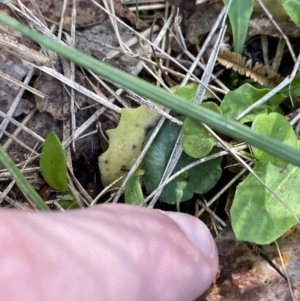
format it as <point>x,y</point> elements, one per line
<point>276,126</point>
<point>125,143</point>
<point>257,215</point>
<point>235,102</point>
<point>187,92</point>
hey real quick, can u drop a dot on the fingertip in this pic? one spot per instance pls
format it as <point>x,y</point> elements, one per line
<point>197,232</point>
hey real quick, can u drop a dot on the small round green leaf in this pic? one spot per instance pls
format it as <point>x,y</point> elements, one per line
<point>68,202</point>
<point>187,92</point>
<point>197,142</point>
<point>53,163</point>
<point>276,126</point>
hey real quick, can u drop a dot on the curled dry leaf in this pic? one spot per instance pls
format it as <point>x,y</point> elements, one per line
<point>53,102</point>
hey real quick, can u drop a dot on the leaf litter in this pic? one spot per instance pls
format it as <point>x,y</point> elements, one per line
<point>245,274</point>
<point>87,13</point>
<point>54,116</point>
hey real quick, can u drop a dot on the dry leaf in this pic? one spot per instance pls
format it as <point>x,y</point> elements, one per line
<point>13,67</point>
<point>41,124</point>
<point>53,102</point>
<point>262,25</point>
<point>87,13</point>
<point>200,21</point>
<point>244,275</point>
<point>101,39</point>
<point>123,12</point>
<point>8,90</point>
<point>289,245</point>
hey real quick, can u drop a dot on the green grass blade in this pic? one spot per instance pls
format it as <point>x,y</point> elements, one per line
<point>21,180</point>
<point>143,88</point>
<point>137,13</point>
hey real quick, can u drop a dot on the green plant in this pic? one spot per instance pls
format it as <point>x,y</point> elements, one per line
<point>239,16</point>
<point>240,12</point>
<point>222,124</point>
<point>216,121</point>
<point>54,169</point>
<point>133,193</point>
<point>53,163</point>
<point>24,185</point>
<point>182,188</point>
<point>269,214</point>
<point>292,8</point>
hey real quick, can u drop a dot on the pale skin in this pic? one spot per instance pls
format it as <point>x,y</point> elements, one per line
<point>109,252</point>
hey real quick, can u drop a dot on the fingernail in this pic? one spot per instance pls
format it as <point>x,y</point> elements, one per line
<point>197,233</point>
